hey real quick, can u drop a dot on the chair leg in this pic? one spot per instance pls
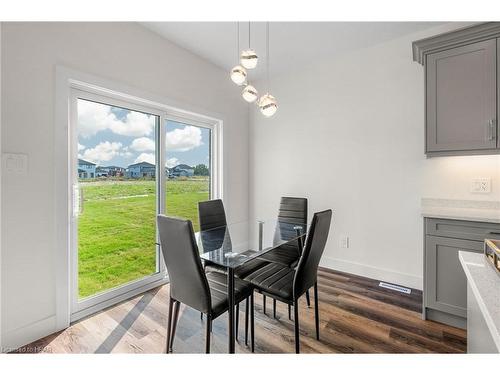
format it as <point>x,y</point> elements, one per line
<point>237,323</point>
<point>169,323</point>
<point>174,323</point>
<point>316,309</point>
<point>246,320</point>
<point>296,325</point>
<point>264,303</point>
<point>208,331</point>
<point>308,299</point>
<point>289,312</point>
<point>252,326</point>
<point>274,308</point>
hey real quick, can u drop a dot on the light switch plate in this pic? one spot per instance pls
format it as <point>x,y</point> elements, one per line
<point>16,164</point>
<point>481,185</point>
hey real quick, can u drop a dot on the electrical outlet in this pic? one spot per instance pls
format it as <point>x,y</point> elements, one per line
<point>344,242</point>
<point>481,185</point>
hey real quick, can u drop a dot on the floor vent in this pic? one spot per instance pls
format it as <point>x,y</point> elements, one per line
<point>398,288</point>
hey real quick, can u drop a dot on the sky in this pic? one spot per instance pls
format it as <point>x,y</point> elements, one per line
<point>115,136</point>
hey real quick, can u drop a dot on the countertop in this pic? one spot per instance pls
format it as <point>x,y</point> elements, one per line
<point>485,284</point>
<point>484,211</point>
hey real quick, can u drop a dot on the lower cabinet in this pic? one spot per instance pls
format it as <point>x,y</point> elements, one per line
<point>445,284</point>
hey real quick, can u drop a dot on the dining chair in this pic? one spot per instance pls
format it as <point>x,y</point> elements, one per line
<point>287,284</point>
<point>212,216</point>
<point>189,284</point>
<point>292,210</point>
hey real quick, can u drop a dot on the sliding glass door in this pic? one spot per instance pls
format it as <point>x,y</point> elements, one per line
<point>117,183</point>
<point>130,162</point>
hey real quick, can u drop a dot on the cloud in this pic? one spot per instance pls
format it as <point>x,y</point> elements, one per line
<point>143,144</point>
<point>184,139</point>
<point>104,151</point>
<point>145,156</point>
<point>81,147</point>
<point>95,117</point>
<point>172,162</point>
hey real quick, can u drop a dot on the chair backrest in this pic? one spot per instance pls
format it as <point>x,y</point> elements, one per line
<point>211,214</point>
<point>188,283</point>
<point>292,211</point>
<point>307,269</point>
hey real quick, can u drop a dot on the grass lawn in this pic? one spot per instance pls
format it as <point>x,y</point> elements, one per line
<point>116,231</point>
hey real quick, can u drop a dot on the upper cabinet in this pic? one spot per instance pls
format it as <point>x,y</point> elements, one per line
<point>462,90</point>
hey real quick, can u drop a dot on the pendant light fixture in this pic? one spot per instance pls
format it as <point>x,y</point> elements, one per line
<point>249,93</point>
<point>267,103</point>
<point>238,73</point>
<point>248,57</point>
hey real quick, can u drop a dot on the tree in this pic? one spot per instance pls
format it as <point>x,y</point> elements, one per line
<point>201,170</point>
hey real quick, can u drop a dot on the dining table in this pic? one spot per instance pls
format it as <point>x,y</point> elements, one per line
<point>234,244</point>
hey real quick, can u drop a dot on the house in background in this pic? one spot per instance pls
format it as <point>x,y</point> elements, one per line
<point>101,172</point>
<point>181,170</point>
<point>113,171</point>
<point>142,169</point>
<point>86,169</point>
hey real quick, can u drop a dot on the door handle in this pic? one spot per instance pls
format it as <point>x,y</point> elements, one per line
<point>80,211</point>
<point>491,130</point>
<point>77,200</point>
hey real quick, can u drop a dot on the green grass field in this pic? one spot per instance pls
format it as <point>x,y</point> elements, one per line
<point>116,231</point>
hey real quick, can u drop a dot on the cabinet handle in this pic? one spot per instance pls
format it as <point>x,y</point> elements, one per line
<point>491,130</point>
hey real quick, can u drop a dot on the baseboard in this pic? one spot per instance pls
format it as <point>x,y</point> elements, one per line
<point>16,338</point>
<point>371,272</point>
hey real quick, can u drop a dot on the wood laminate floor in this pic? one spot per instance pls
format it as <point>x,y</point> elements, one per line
<point>356,316</point>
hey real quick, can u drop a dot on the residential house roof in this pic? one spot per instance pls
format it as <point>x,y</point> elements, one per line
<point>142,164</point>
<point>183,166</point>
<point>85,162</point>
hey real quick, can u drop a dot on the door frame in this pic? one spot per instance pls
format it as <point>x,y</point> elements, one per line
<point>69,81</point>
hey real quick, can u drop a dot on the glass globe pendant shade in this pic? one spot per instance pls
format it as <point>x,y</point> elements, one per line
<point>238,75</point>
<point>249,59</point>
<point>268,105</point>
<point>249,93</point>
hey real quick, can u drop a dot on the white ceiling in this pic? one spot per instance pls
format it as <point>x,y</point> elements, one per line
<point>292,44</point>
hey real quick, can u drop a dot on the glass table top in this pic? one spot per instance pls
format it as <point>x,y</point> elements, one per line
<point>235,244</point>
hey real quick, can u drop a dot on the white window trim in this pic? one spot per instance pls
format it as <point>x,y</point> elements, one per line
<point>68,80</point>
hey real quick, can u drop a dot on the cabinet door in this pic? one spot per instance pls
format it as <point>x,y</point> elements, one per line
<point>446,284</point>
<point>461,98</point>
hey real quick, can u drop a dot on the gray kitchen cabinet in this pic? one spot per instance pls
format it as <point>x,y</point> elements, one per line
<point>445,284</point>
<point>462,90</point>
<point>461,98</point>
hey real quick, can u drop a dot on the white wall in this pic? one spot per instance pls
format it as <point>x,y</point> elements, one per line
<point>349,135</point>
<point>122,52</point>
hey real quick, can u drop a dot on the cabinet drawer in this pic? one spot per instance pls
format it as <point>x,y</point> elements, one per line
<point>467,230</point>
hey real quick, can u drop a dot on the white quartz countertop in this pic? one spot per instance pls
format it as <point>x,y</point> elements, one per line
<point>484,211</point>
<point>485,284</point>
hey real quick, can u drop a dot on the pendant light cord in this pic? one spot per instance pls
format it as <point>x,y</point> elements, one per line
<point>249,34</point>
<point>267,55</point>
<point>237,40</point>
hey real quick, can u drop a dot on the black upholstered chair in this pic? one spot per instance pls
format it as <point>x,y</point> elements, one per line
<point>212,216</point>
<point>292,211</point>
<point>288,284</point>
<point>189,284</point>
